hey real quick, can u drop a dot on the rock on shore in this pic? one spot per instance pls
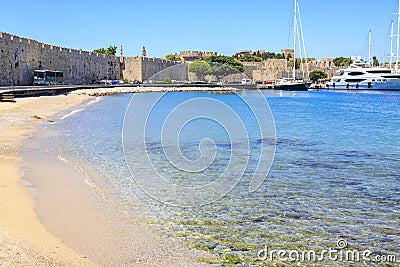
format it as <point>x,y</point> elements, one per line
<point>129,90</point>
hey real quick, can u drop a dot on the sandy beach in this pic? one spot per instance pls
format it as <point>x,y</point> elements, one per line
<point>35,230</point>
<point>23,240</point>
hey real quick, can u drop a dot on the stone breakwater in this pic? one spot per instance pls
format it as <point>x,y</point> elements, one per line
<point>130,90</point>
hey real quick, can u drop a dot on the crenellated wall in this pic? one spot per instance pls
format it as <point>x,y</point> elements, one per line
<point>20,56</point>
<point>143,68</point>
<point>274,69</point>
<point>151,66</point>
<point>132,68</point>
<point>188,56</point>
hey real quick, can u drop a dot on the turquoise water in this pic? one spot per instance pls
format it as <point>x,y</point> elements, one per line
<point>335,174</point>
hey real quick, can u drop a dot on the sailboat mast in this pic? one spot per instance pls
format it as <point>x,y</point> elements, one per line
<point>302,42</point>
<point>391,45</point>
<point>294,37</point>
<point>369,48</point>
<point>398,40</point>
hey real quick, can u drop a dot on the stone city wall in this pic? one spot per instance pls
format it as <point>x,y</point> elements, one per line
<point>266,75</point>
<point>275,64</point>
<point>269,70</point>
<point>188,56</point>
<point>132,68</point>
<point>249,67</point>
<point>151,66</point>
<point>20,56</point>
<point>143,68</point>
<point>274,69</point>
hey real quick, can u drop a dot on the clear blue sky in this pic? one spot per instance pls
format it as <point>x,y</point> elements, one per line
<point>331,27</point>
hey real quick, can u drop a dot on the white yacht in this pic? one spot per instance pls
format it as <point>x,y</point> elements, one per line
<point>365,78</point>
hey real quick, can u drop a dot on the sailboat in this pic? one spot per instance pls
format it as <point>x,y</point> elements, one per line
<point>293,84</point>
<point>368,77</point>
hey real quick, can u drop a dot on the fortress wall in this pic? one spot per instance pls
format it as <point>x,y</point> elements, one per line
<point>151,66</point>
<point>178,72</point>
<point>274,69</point>
<point>269,70</point>
<point>132,69</point>
<point>143,68</point>
<point>249,67</point>
<point>20,56</point>
<point>275,64</point>
<point>266,75</point>
<point>82,67</point>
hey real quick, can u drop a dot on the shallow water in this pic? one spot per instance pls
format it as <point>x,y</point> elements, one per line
<point>335,173</point>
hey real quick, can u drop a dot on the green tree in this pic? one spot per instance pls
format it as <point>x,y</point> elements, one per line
<point>226,60</point>
<point>316,75</point>
<point>111,50</point>
<point>172,57</point>
<point>273,55</point>
<point>342,61</point>
<point>222,70</point>
<point>167,80</point>
<point>100,51</point>
<point>200,68</point>
<point>280,56</point>
<point>250,58</point>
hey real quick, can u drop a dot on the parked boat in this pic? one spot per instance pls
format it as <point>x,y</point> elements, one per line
<point>366,77</point>
<point>293,84</point>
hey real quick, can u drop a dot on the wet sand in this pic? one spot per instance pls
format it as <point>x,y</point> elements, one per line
<point>23,240</point>
<point>52,217</point>
<point>75,211</point>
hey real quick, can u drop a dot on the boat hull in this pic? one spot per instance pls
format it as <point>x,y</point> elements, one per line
<point>389,85</point>
<point>293,87</point>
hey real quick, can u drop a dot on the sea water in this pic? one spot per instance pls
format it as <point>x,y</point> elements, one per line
<point>334,177</point>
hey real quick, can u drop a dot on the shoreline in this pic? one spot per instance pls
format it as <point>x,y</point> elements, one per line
<point>24,241</point>
<point>96,90</point>
<point>36,230</point>
<point>107,91</point>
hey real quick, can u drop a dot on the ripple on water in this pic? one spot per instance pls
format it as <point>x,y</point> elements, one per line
<point>335,175</point>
